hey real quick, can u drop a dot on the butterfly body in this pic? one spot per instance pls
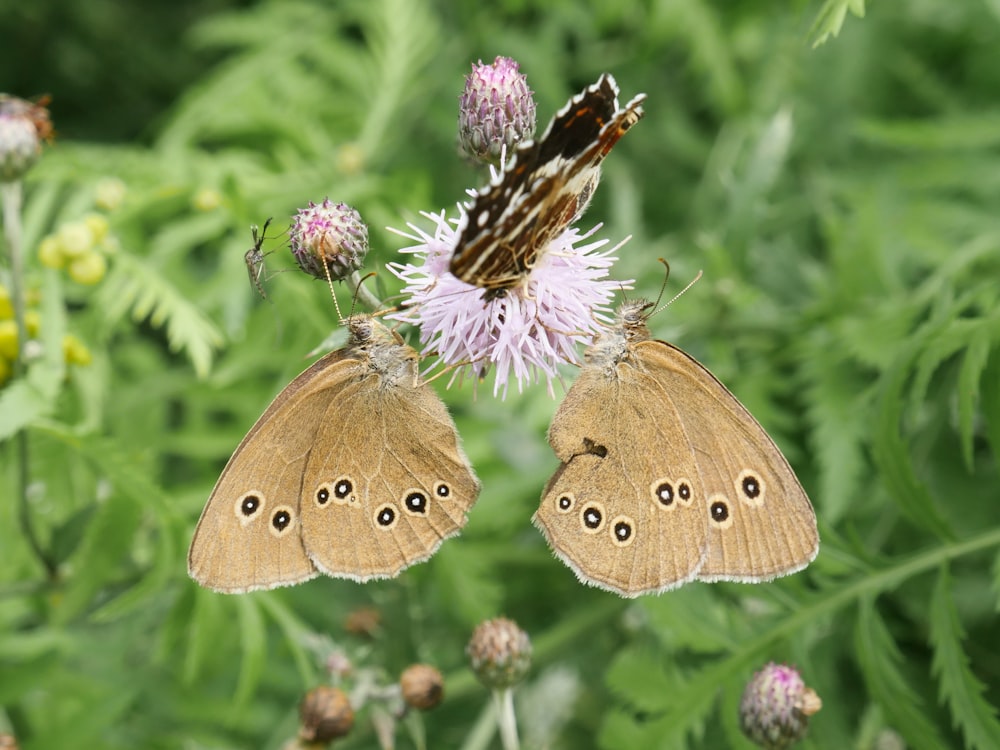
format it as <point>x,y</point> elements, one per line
<point>543,190</point>
<point>665,477</point>
<point>355,470</point>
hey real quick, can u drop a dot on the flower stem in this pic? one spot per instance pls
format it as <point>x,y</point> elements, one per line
<point>362,292</point>
<point>504,700</point>
<point>10,197</point>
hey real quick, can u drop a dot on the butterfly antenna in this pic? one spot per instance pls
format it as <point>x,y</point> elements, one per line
<point>673,299</point>
<point>336,305</point>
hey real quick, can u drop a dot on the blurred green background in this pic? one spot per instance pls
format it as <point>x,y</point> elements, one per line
<point>841,197</point>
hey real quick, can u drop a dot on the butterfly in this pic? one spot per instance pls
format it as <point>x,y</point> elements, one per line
<point>354,470</point>
<point>544,188</point>
<point>665,477</point>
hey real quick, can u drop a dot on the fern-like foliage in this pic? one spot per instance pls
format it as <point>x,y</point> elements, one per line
<point>835,177</point>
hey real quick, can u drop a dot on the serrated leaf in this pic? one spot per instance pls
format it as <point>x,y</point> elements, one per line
<point>959,688</point>
<point>471,586</point>
<point>253,645</point>
<point>203,631</point>
<point>830,18</point>
<point>879,658</point>
<point>637,677</point>
<point>294,630</point>
<point>108,540</point>
<point>137,287</point>
<point>973,364</point>
<point>893,458</point>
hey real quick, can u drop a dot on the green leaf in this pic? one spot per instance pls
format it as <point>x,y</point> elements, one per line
<point>893,458</point>
<point>137,286</point>
<point>99,562</point>
<point>879,659</point>
<point>253,644</point>
<point>639,678</point>
<point>958,686</point>
<point>973,365</point>
<point>831,16</point>
<point>990,402</point>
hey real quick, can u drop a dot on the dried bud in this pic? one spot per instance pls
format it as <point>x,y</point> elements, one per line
<point>363,621</point>
<point>325,714</point>
<point>496,110</point>
<point>776,707</point>
<point>329,238</point>
<point>500,653</point>
<point>422,686</point>
<point>23,127</point>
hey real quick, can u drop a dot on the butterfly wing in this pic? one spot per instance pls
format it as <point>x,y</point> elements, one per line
<point>666,478</point>
<point>249,534</point>
<point>544,188</point>
<point>387,482</point>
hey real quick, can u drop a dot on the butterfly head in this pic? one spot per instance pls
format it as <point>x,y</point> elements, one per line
<point>612,345</point>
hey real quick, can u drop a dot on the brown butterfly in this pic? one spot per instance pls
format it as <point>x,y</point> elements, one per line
<point>543,189</point>
<point>665,476</point>
<point>355,470</point>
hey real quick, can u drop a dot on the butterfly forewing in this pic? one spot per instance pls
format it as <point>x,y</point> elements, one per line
<point>544,188</point>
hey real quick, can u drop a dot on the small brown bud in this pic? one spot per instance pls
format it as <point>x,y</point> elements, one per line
<point>8,742</point>
<point>499,652</point>
<point>422,685</point>
<point>363,621</point>
<point>325,714</point>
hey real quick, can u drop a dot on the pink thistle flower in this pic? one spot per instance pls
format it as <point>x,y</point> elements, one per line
<point>526,332</point>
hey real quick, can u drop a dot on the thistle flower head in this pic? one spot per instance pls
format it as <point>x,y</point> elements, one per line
<point>499,652</point>
<point>496,110</point>
<point>776,706</point>
<point>422,686</point>
<point>23,127</point>
<point>526,332</point>
<point>329,237</point>
<point>325,714</point>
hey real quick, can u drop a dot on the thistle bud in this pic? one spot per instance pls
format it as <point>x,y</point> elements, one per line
<point>422,686</point>
<point>329,239</point>
<point>325,714</point>
<point>365,621</point>
<point>496,110</point>
<point>499,652</point>
<point>23,127</point>
<point>776,707</point>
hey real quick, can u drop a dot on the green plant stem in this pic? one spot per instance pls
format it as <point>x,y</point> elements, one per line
<point>11,200</point>
<point>366,296</point>
<point>506,720</point>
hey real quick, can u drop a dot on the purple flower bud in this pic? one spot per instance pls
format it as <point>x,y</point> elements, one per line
<point>329,238</point>
<point>776,706</point>
<point>496,110</point>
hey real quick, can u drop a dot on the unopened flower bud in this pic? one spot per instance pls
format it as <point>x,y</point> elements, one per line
<point>329,238</point>
<point>422,686</point>
<point>364,621</point>
<point>325,714</point>
<point>776,707</point>
<point>499,652</point>
<point>496,110</point>
<point>23,127</point>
